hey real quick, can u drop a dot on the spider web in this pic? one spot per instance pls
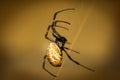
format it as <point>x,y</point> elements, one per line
<point>76,36</point>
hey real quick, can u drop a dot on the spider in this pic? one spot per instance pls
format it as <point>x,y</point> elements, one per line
<point>56,47</point>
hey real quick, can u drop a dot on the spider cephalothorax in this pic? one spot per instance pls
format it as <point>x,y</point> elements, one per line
<point>61,42</point>
<point>57,46</point>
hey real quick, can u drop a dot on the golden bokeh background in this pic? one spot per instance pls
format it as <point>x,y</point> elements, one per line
<point>93,32</point>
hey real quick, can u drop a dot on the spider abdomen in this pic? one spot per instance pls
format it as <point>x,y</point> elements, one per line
<point>54,55</point>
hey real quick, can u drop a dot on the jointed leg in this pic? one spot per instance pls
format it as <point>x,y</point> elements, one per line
<point>56,36</point>
<point>68,43</point>
<point>55,25</point>
<point>54,17</point>
<point>71,50</point>
<point>43,66</point>
<point>77,62</point>
<point>55,32</point>
<point>70,57</point>
<point>61,27</point>
<point>46,35</point>
<point>56,21</point>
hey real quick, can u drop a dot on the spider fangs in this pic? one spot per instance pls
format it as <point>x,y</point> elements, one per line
<point>56,47</point>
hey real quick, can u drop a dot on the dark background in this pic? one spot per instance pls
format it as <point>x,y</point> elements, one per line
<point>94,32</point>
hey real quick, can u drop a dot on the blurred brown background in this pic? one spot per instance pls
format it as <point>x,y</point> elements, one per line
<point>94,32</point>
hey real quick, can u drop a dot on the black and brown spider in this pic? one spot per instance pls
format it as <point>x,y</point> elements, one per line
<point>56,47</point>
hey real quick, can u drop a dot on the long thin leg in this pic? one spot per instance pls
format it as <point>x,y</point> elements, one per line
<point>72,50</point>
<point>57,37</point>
<point>55,32</point>
<point>61,27</point>
<point>68,43</point>
<point>56,21</point>
<point>54,25</point>
<point>43,66</point>
<point>46,35</point>
<point>54,17</point>
<point>77,62</point>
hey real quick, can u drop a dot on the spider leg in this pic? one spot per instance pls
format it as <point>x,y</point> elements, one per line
<point>54,25</point>
<point>57,37</point>
<point>56,21</point>
<point>72,50</point>
<point>68,43</point>
<point>46,35</point>
<point>62,27</point>
<point>55,14</point>
<point>43,66</point>
<point>70,57</point>
<point>55,32</point>
<point>77,62</point>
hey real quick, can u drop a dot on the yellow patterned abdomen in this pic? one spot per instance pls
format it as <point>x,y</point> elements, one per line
<point>54,55</point>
